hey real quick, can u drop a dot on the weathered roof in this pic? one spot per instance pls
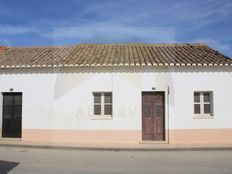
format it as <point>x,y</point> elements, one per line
<point>2,48</point>
<point>85,55</point>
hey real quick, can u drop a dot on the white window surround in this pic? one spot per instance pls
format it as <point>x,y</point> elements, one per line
<point>102,104</point>
<point>201,102</point>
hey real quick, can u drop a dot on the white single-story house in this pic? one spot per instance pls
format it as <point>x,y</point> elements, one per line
<point>116,93</point>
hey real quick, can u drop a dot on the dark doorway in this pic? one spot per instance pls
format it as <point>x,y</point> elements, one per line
<point>153,127</point>
<point>12,115</point>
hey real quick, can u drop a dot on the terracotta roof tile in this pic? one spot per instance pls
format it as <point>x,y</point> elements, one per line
<point>2,48</point>
<point>112,55</point>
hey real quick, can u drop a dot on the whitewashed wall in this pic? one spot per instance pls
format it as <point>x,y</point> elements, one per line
<point>1,102</point>
<point>62,99</point>
<point>185,83</point>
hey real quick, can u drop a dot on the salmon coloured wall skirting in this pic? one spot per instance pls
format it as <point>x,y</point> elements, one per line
<point>200,136</point>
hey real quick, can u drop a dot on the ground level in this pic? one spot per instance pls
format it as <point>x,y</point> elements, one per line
<point>27,161</point>
<point>117,105</point>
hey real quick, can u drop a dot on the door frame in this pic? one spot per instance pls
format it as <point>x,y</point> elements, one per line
<point>165,138</point>
<point>2,112</point>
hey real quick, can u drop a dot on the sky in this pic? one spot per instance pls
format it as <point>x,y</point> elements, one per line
<point>70,22</point>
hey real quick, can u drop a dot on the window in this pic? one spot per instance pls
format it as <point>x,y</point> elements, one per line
<point>102,104</point>
<point>203,103</point>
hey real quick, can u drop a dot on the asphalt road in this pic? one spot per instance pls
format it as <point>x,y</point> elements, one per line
<point>51,161</point>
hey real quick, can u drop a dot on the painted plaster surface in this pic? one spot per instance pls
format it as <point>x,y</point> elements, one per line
<point>63,99</point>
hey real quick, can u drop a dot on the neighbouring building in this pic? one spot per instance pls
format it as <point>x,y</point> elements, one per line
<point>116,93</point>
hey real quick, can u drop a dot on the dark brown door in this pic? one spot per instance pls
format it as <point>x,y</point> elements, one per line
<point>12,115</point>
<point>153,116</point>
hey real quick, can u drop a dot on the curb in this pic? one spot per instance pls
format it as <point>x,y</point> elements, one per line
<point>87,148</point>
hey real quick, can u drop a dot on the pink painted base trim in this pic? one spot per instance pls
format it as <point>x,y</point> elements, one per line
<point>177,136</point>
<point>200,136</point>
<point>81,136</point>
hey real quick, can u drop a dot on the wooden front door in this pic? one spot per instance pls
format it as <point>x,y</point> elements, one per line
<point>12,115</point>
<point>153,116</point>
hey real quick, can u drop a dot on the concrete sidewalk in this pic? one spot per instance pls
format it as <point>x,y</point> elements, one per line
<point>116,147</point>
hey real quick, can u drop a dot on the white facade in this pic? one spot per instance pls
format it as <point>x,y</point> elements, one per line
<point>59,103</point>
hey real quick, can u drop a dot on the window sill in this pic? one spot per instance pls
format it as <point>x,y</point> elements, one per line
<point>102,118</point>
<point>203,117</point>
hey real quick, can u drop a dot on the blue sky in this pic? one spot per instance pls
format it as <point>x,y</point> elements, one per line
<point>65,22</point>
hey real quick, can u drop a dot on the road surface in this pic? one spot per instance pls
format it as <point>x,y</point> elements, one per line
<point>52,161</point>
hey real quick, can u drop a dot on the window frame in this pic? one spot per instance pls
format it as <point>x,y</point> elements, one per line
<point>102,104</point>
<point>202,114</point>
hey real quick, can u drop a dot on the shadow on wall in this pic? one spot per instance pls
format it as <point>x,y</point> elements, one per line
<point>7,166</point>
